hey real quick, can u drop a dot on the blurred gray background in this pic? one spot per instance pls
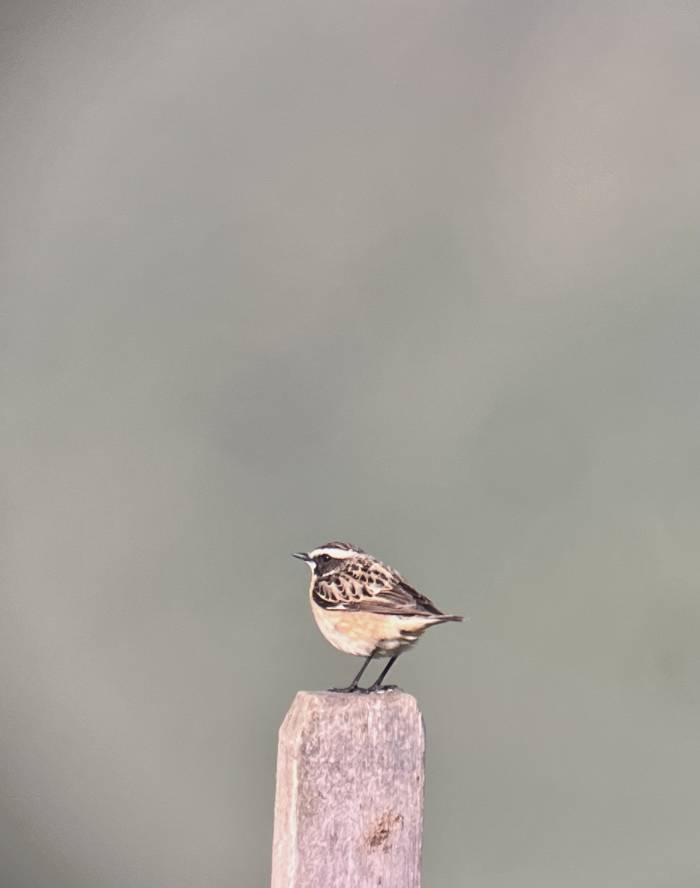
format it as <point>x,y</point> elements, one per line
<point>423,276</point>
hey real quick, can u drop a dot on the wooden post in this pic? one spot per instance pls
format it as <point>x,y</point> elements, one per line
<point>349,803</point>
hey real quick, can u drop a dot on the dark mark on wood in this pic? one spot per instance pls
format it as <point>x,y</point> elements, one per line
<point>380,835</point>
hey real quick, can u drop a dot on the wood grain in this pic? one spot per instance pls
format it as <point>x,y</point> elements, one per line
<point>349,802</point>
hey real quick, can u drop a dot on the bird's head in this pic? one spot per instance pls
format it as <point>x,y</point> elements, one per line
<point>329,557</point>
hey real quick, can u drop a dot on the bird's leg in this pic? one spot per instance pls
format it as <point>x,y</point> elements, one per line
<point>352,687</point>
<point>378,686</point>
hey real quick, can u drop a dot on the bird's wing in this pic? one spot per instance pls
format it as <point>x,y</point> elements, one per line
<point>385,595</point>
<point>401,599</point>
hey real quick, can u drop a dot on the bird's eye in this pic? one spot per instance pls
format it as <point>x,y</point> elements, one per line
<point>323,558</point>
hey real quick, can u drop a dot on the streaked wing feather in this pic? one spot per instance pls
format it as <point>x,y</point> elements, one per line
<point>400,599</point>
<point>420,600</point>
<point>396,598</point>
<point>338,593</point>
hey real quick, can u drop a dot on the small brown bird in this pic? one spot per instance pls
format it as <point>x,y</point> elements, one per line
<point>365,608</point>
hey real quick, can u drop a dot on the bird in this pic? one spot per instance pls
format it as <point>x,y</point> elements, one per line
<point>366,608</point>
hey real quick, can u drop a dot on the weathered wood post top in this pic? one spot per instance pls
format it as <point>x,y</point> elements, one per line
<point>349,803</point>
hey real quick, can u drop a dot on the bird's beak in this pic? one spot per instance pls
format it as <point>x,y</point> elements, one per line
<point>303,556</point>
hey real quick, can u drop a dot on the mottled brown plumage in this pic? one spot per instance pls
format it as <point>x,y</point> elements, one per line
<point>364,607</point>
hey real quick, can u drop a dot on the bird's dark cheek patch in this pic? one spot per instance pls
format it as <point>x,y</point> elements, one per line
<point>325,567</point>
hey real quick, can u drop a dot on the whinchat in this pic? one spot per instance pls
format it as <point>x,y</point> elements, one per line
<point>365,608</point>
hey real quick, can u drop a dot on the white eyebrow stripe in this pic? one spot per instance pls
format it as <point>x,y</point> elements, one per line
<point>333,553</point>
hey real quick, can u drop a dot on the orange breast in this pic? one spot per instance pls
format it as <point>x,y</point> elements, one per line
<point>360,633</point>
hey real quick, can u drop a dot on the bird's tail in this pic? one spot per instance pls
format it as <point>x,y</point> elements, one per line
<point>446,618</point>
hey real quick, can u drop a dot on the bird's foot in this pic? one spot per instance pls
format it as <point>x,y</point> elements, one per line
<point>381,689</point>
<point>350,689</point>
